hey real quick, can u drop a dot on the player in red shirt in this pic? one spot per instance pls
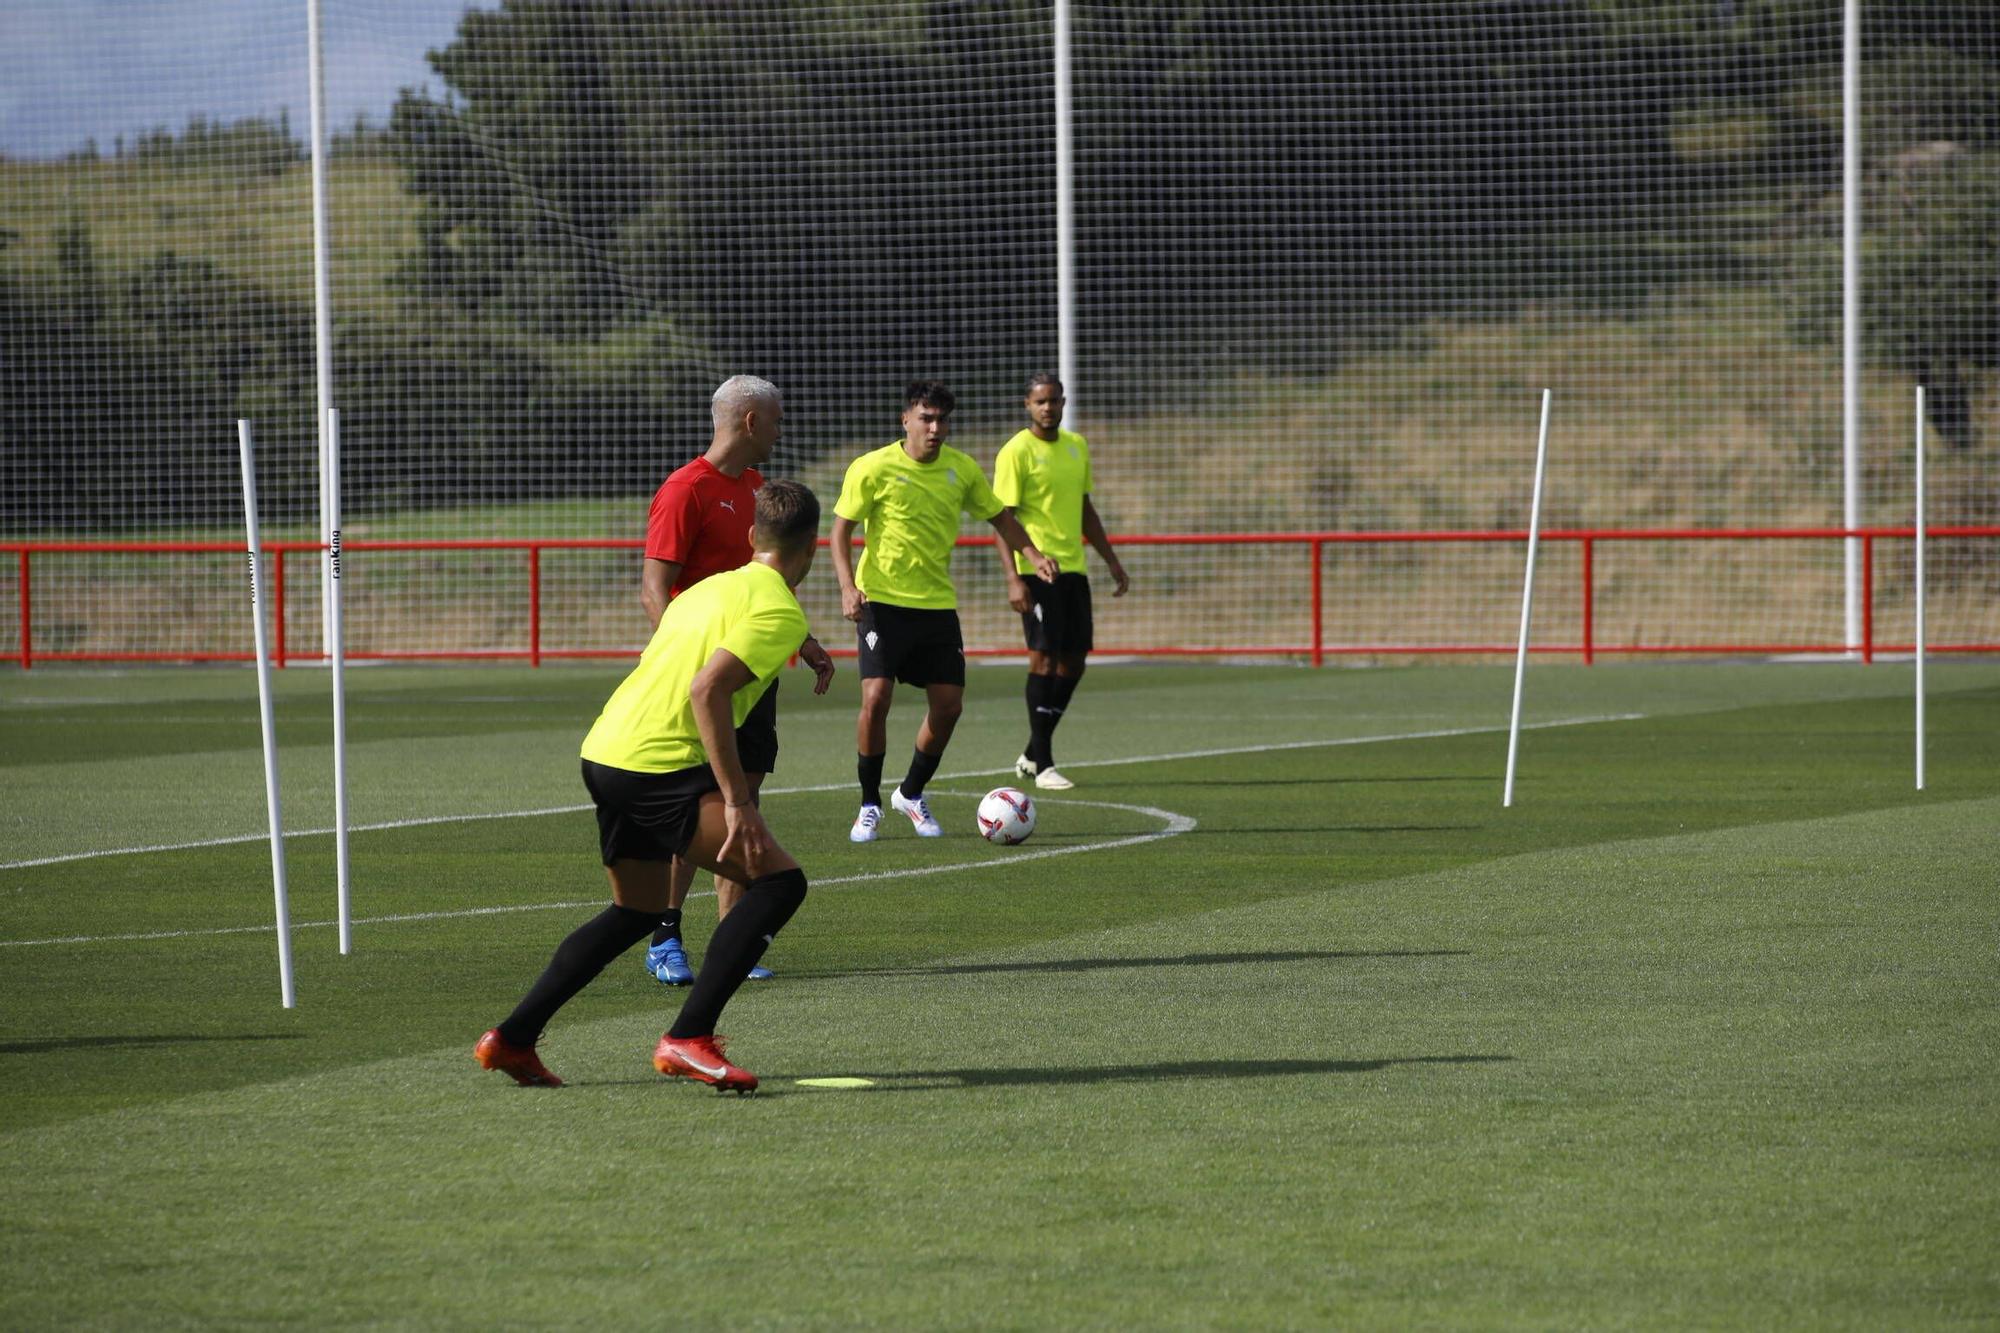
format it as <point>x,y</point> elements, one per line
<point>700,525</point>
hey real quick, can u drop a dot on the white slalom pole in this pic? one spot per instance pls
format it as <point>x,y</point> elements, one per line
<point>336,650</point>
<point>1920,587</point>
<point>286,990</point>
<point>325,537</point>
<point>1527,599</point>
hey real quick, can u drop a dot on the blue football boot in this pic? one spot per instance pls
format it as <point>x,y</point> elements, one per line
<point>668,963</point>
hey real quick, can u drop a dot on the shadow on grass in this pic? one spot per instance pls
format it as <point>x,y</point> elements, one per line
<point>1104,964</point>
<point>947,1080</point>
<point>40,1045</point>
<point>944,1080</point>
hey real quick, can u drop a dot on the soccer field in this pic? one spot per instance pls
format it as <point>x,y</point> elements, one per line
<point>1279,1020</point>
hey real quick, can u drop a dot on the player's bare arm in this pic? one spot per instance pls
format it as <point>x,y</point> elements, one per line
<point>656,581</point>
<point>841,546</point>
<point>1100,541</point>
<point>821,662</point>
<point>1016,539</point>
<point>748,842</point>
<point>1017,587</point>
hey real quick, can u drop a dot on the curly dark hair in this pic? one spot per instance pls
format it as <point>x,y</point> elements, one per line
<point>931,393</point>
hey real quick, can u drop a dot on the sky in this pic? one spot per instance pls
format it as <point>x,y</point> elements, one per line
<point>74,70</point>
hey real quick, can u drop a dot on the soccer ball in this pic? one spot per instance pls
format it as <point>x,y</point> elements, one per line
<point>1006,816</point>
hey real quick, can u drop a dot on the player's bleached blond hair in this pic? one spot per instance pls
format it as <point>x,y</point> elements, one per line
<point>738,394</point>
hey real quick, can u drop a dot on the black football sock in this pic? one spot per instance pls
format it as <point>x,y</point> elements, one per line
<point>1061,688</point>
<point>739,941</point>
<point>1040,720</point>
<point>868,767</point>
<point>1063,691</point>
<point>669,927</point>
<point>922,768</point>
<point>579,958</point>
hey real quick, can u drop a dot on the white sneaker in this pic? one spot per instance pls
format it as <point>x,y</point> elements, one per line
<point>1050,780</point>
<point>919,812</point>
<point>1024,768</point>
<point>864,824</point>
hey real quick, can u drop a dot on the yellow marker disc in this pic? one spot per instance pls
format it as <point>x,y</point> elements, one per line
<point>836,1082</point>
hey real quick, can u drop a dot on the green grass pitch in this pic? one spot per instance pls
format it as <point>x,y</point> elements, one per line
<point>1279,1020</point>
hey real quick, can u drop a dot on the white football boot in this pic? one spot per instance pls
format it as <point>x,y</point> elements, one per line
<point>919,812</point>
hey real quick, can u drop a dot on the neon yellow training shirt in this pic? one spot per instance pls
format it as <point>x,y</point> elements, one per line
<point>1044,482</point>
<point>910,511</point>
<point>647,725</point>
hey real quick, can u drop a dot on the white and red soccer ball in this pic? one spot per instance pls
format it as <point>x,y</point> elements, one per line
<point>1006,816</point>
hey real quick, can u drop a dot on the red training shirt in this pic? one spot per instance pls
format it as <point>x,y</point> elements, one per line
<point>701,520</point>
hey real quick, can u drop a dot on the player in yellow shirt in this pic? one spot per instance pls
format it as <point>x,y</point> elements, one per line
<point>661,764</point>
<point>904,605</point>
<point>1043,474</point>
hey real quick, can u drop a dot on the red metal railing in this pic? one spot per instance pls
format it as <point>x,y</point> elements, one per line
<point>1317,650</point>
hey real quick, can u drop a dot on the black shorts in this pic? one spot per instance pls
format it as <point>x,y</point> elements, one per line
<point>646,816</point>
<point>915,646</point>
<point>757,738</point>
<point>1058,624</point>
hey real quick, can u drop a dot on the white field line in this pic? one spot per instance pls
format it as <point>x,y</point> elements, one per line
<point>289,833</point>
<point>1174,824</point>
<point>828,786</point>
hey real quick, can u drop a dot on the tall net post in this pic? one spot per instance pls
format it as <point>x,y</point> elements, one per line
<point>1065,142</point>
<point>1850,310</point>
<point>322,302</point>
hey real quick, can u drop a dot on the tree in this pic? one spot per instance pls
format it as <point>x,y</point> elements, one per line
<point>1931,248</point>
<point>1933,294</point>
<point>526,174</point>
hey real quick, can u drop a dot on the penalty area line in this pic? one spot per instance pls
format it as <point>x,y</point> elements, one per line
<point>1217,753</point>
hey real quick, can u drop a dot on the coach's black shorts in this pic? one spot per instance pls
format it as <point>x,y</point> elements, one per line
<point>646,816</point>
<point>1058,622</point>
<point>757,738</point>
<point>915,646</point>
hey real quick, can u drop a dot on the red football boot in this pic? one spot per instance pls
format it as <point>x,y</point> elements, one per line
<point>700,1058</point>
<point>520,1062</point>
